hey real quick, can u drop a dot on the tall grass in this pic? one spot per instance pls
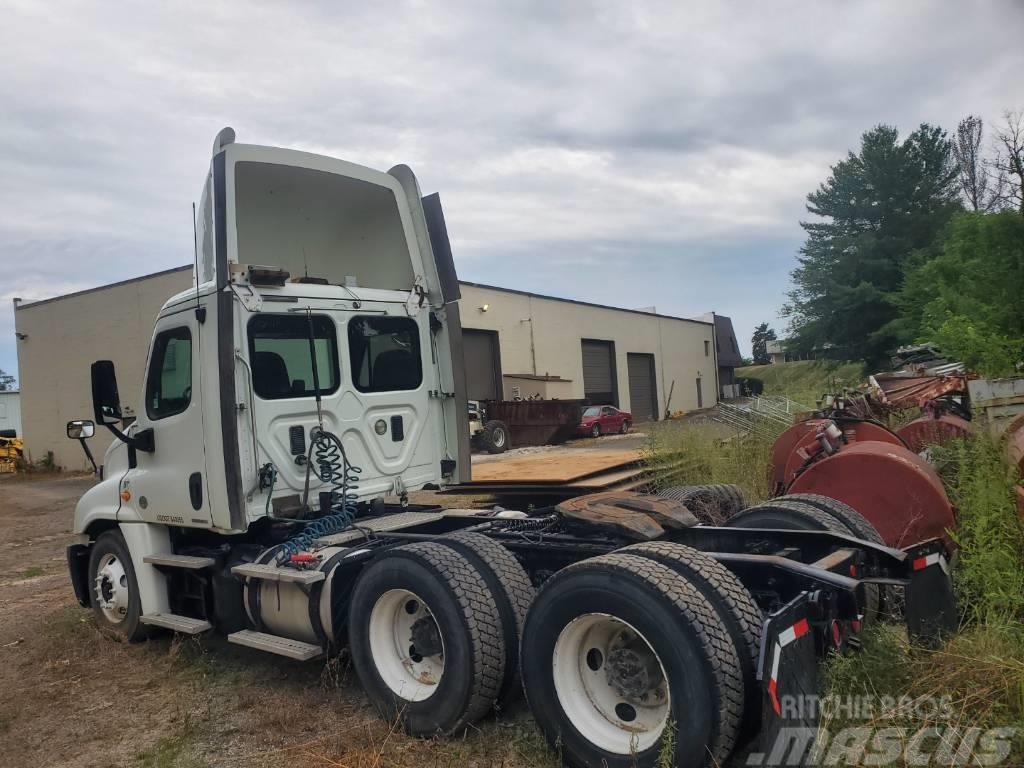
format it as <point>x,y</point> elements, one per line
<point>978,673</point>
<point>686,453</point>
<point>990,571</point>
<point>977,676</point>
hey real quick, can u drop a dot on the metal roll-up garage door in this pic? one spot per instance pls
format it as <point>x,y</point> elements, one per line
<point>599,372</point>
<point>483,367</point>
<point>643,401</point>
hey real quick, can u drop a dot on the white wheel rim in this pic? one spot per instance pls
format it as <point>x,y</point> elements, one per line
<point>499,438</point>
<point>409,674</point>
<point>600,698</point>
<point>111,588</point>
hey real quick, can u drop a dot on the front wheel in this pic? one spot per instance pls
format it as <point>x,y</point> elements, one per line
<point>595,431</point>
<point>494,436</point>
<point>114,590</point>
<point>624,428</point>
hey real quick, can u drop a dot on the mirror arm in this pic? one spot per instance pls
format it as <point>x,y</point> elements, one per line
<point>88,455</point>
<point>141,441</point>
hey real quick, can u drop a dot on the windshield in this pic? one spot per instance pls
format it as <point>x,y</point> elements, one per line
<point>592,411</point>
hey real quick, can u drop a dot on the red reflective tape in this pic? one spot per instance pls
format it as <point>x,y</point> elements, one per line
<point>801,628</point>
<point>775,699</point>
<point>920,563</point>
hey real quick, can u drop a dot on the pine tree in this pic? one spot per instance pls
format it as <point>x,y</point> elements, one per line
<point>876,209</point>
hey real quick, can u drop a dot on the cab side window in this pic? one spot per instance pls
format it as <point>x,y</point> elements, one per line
<point>169,382</point>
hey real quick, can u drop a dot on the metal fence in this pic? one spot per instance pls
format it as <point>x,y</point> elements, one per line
<point>764,416</point>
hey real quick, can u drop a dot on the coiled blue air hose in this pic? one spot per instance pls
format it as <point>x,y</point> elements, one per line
<point>333,468</point>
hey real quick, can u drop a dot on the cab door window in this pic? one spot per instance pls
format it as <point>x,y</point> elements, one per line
<point>169,382</point>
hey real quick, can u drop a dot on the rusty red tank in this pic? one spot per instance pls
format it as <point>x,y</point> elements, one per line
<point>784,445</point>
<point>893,487</point>
<point>853,432</point>
<point>930,429</point>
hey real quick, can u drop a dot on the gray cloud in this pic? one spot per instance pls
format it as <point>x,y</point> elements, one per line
<point>671,144</point>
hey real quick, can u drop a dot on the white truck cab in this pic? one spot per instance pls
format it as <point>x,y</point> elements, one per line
<point>299,257</point>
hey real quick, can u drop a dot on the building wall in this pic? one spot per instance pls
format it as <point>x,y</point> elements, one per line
<point>10,411</point>
<point>65,335</point>
<point>678,345</point>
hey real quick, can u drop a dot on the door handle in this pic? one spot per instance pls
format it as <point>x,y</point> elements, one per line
<point>397,429</point>
<point>195,490</point>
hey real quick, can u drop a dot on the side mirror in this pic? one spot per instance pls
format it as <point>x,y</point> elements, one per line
<point>106,403</point>
<point>81,429</point>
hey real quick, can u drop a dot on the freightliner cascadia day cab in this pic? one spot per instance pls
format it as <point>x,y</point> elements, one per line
<point>311,379</point>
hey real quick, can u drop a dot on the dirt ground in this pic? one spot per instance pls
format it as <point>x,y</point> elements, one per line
<point>74,698</point>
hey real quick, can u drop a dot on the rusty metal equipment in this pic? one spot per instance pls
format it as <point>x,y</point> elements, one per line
<point>537,422</point>
<point>893,487</point>
<point>933,428</point>
<point>851,431</point>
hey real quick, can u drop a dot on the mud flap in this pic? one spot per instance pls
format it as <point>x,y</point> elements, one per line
<point>789,675</point>
<point>930,605</point>
<point>78,570</point>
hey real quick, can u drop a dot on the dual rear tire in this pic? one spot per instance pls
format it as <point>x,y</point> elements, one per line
<point>434,632</point>
<point>624,658</point>
<point>644,656</point>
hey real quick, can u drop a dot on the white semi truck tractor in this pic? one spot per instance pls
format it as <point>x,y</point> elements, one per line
<point>310,379</point>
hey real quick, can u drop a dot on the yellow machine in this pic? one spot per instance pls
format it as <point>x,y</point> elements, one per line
<point>11,450</point>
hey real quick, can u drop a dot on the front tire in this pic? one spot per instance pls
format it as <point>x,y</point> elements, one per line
<point>624,429</point>
<point>114,590</point>
<point>617,650</point>
<point>595,431</point>
<point>494,437</point>
<point>425,638</point>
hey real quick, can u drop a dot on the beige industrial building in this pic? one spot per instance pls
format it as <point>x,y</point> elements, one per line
<point>517,344</point>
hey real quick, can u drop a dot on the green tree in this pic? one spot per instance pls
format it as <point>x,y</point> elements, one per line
<point>967,297</point>
<point>762,335</point>
<point>875,210</point>
<point>6,381</point>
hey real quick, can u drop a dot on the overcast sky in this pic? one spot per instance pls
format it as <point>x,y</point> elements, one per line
<point>633,154</point>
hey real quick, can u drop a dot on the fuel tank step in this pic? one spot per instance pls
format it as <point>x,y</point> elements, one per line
<point>172,560</point>
<point>186,625</point>
<point>271,572</point>
<point>282,646</point>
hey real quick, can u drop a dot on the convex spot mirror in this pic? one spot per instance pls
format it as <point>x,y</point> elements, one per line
<point>106,403</point>
<point>82,429</point>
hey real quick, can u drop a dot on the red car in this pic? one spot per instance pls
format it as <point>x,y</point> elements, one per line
<point>604,420</point>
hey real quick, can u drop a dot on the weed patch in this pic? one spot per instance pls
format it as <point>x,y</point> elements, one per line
<point>694,454</point>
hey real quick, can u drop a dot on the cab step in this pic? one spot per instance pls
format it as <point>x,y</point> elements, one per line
<point>282,646</point>
<point>171,560</point>
<point>186,625</point>
<point>271,572</point>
